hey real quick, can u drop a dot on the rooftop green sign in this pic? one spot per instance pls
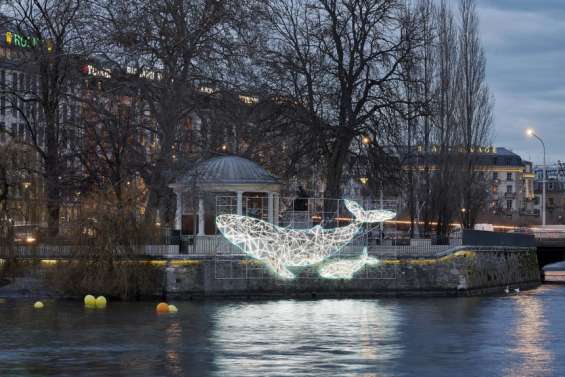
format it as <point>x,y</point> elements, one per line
<point>18,40</point>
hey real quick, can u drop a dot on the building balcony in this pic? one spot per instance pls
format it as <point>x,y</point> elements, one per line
<point>509,195</point>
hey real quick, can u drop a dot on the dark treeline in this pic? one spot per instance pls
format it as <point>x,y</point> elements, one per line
<point>319,91</point>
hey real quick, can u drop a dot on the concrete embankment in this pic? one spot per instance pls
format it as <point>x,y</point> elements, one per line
<point>463,271</point>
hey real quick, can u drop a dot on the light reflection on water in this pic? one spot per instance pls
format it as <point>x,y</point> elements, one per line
<point>495,336</point>
<point>531,338</point>
<point>288,335</point>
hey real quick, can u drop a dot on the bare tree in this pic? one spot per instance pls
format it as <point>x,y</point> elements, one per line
<point>179,51</point>
<point>340,61</point>
<point>426,17</point>
<point>50,35</point>
<point>116,141</point>
<point>461,110</point>
<point>474,112</point>
<point>446,131</point>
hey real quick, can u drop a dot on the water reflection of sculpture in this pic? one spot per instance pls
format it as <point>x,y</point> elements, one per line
<point>281,248</point>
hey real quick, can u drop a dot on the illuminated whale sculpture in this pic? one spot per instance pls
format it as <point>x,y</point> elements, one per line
<point>345,268</point>
<point>280,247</point>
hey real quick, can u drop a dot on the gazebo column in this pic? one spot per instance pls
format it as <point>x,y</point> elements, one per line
<point>270,203</point>
<point>201,219</point>
<point>179,211</point>
<point>240,203</point>
<point>276,210</point>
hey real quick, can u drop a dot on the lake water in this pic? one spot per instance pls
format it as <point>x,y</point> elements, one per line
<point>517,335</point>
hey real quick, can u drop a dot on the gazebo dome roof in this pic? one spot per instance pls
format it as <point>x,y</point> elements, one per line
<point>228,170</point>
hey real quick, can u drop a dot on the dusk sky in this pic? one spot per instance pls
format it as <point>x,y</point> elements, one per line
<point>525,46</point>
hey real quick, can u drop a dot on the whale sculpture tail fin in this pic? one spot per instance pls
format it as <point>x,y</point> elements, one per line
<point>365,216</point>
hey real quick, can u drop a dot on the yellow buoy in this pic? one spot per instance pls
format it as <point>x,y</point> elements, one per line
<point>101,302</point>
<point>162,307</point>
<point>38,305</point>
<point>89,301</point>
<point>173,309</point>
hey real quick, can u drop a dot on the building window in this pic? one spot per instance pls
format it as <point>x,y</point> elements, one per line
<point>3,106</point>
<point>509,205</point>
<point>495,175</point>
<point>14,105</point>
<point>508,176</point>
<point>509,188</point>
<point>2,132</point>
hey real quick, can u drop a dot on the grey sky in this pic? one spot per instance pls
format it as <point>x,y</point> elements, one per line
<point>525,46</point>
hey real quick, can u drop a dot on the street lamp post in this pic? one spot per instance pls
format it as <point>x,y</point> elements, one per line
<point>531,133</point>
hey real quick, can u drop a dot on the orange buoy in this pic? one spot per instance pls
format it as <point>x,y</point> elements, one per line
<point>162,307</point>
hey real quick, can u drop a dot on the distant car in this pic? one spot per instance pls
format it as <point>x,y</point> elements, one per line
<point>25,234</point>
<point>484,227</point>
<point>522,230</point>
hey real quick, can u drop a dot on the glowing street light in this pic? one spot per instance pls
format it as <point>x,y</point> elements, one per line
<point>531,133</point>
<point>463,213</point>
<point>366,140</point>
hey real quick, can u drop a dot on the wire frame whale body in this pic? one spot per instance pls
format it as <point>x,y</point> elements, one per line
<point>280,247</point>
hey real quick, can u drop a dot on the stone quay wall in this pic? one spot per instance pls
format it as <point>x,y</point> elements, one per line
<point>465,271</point>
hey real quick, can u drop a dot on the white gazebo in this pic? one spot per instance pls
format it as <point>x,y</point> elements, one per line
<point>225,175</point>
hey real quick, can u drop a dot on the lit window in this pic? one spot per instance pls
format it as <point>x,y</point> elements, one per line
<point>248,99</point>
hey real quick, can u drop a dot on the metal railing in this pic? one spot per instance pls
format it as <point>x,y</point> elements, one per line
<point>217,245</point>
<point>207,246</point>
<point>68,251</point>
<point>551,234</point>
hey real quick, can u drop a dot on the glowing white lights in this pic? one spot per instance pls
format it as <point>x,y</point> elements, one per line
<point>363,216</point>
<point>280,248</point>
<point>345,268</point>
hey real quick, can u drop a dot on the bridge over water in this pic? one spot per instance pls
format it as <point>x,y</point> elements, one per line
<point>550,245</point>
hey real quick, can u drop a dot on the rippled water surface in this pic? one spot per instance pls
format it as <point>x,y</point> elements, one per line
<point>519,335</point>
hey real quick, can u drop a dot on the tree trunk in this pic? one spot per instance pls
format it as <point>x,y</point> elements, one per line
<point>334,175</point>
<point>161,197</point>
<point>52,183</point>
